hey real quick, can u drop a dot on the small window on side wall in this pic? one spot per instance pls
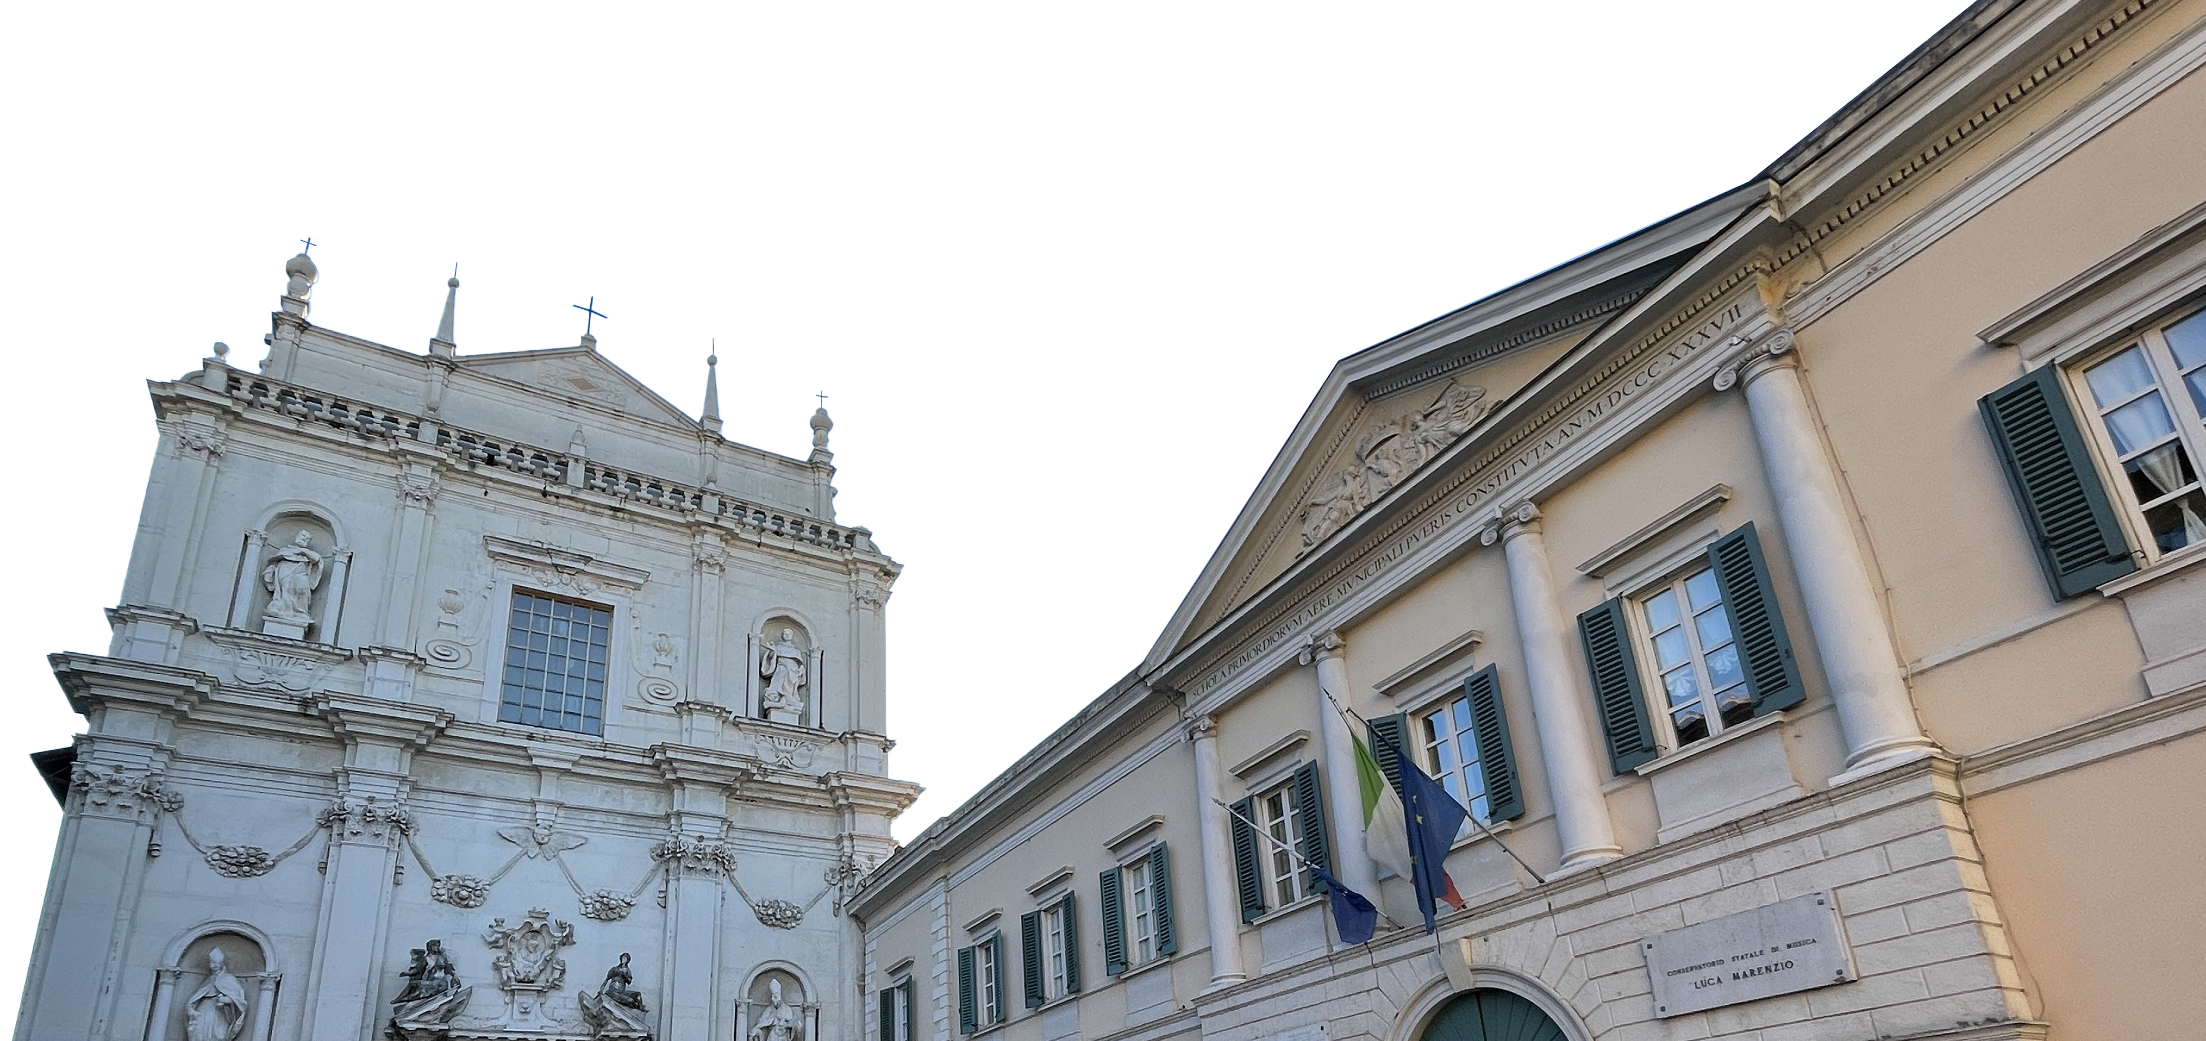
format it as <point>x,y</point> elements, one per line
<point>555,663</point>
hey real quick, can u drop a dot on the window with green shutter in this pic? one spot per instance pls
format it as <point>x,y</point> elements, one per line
<point>1618,698</point>
<point>1248,877</point>
<point>896,1012</point>
<point>968,988</point>
<point>2072,525</point>
<point>1160,888</point>
<point>1111,900</point>
<point>1310,811</point>
<point>1496,760</point>
<point>1030,957</point>
<point>1068,944</point>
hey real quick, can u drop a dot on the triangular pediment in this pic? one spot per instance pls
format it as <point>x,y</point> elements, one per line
<point>582,374</point>
<point>1387,416</point>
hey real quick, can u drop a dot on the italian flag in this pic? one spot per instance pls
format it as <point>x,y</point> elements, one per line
<point>1385,821</point>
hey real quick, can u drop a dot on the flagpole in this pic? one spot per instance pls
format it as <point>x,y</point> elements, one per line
<point>1401,755</point>
<point>1289,850</point>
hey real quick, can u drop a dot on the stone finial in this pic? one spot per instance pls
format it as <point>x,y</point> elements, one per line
<point>589,342</point>
<point>442,344</point>
<point>296,294</point>
<point>820,426</point>
<point>711,418</point>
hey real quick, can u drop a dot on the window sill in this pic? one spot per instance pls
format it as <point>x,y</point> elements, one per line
<point>2166,567</point>
<point>1061,999</point>
<point>1697,748</point>
<point>1144,968</point>
<point>1311,900</point>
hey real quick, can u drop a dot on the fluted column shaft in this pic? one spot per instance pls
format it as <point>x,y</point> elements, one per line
<point>1859,661</point>
<point>1221,899</point>
<point>1561,707</point>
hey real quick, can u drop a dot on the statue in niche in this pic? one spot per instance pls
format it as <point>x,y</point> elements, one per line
<point>216,1011</point>
<point>779,1020</point>
<point>781,696</point>
<point>291,576</point>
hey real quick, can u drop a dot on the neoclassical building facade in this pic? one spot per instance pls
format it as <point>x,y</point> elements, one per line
<point>467,696</point>
<point>1805,593</point>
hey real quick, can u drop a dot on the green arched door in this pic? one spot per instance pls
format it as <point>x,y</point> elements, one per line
<point>1492,1015</point>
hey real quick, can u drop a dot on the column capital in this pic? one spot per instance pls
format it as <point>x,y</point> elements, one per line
<point>1322,646</point>
<point>1200,728</point>
<point>1508,523</point>
<point>1754,358</point>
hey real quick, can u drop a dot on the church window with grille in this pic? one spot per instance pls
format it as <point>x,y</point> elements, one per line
<point>555,665</point>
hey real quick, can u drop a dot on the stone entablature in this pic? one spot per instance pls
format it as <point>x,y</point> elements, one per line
<point>559,472</point>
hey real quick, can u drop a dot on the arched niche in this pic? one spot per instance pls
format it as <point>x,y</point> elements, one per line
<point>223,972</point>
<point>794,1017</point>
<point>784,670</point>
<point>1499,1005</point>
<point>291,575</point>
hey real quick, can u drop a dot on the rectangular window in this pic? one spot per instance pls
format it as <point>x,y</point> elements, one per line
<point>2150,401</point>
<point>988,966</point>
<point>1450,747</point>
<point>1053,949</point>
<point>1696,662</point>
<point>1280,814</point>
<point>555,664</point>
<point>900,1010</point>
<point>1141,911</point>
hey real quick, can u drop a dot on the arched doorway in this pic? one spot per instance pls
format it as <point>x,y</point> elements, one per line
<point>1491,1015</point>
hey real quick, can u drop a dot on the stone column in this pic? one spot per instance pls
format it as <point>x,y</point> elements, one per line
<point>164,1003</point>
<point>1343,794</point>
<point>264,1004</point>
<point>868,654</point>
<point>1221,898</point>
<point>1859,662</point>
<point>696,859</point>
<point>1561,707</point>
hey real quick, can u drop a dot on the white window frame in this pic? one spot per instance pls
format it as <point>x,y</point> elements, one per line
<point>1649,660</point>
<point>2190,425</point>
<point>987,969</point>
<point>1137,887</point>
<point>900,1009</point>
<point>1281,872</point>
<point>1464,773</point>
<point>1053,950</point>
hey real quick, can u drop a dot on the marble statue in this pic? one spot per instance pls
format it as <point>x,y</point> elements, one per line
<point>216,1011</point>
<point>291,577</point>
<point>433,994</point>
<point>782,667</point>
<point>778,1021</point>
<point>620,986</point>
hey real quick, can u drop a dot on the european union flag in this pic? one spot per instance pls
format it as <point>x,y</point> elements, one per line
<point>1433,818</point>
<point>1353,915</point>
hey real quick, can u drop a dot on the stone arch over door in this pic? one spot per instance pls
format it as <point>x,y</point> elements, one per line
<point>1497,1005</point>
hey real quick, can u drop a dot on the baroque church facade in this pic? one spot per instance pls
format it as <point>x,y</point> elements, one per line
<point>466,697</point>
<point>1805,594</point>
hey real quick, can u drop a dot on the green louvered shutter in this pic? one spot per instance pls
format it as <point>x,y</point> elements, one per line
<point>1389,737</point>
<point>1309,800</point>
<point>1072,943</point>
<point>995,944</point>
<point>968,1008</point>
<point>1497,759</point>
<point>1245,875</point>
<point>1617,697</point>
<point>1757,628</point>
<point>2079,541</point>
<point>1030,956</point>
<point>1160,899</point>
<point>888,1014</point>
<point>1114,921</point>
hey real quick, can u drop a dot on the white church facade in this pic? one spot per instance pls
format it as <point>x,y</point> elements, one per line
<point>464,697</point>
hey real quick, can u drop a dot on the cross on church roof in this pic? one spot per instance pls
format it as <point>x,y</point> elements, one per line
<point>309,241</point>
<point>589,309</point>
<point>823,398</point>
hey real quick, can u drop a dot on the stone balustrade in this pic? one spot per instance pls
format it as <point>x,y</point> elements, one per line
<point>472,450</point>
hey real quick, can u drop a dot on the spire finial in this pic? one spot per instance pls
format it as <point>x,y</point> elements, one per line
<point>442,344</point>
<point>711,418</point>
<point>300,289</point>
<point>820,426</point>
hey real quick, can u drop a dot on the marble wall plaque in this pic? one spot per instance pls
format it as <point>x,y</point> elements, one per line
<point>1788,946</point>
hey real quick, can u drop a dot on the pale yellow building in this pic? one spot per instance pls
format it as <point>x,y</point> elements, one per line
<point>1807,584</point>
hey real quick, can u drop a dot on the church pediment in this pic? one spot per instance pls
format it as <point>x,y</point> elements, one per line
<point>580,373</point>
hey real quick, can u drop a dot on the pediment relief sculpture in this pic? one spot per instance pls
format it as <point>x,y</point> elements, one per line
<point>1386,453</point>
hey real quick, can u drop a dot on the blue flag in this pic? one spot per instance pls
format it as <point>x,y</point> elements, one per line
<point>1433,818</point>
<point>1353,915</point>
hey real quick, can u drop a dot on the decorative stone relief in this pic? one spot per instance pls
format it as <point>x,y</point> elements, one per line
<point>119,791</point>
<point>1386,452</point>
<point>240,861</point>
<point>846,876</point>
<point>694,855</point>
<point>778,913</point>
<point>604,905</point>
<point>462,612</point>
<point>529,966</point>
<point>787,751</point>
<point>365,820</point>
<point>469,891</point>
<point>656,676</point>
<point>261,667</point>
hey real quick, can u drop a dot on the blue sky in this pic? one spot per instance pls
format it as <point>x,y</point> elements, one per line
<point>1068,273</point>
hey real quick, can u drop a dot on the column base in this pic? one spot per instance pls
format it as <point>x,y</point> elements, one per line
<point>1218,983</point>
<point>1878,760</point>
<point>1585,860</point>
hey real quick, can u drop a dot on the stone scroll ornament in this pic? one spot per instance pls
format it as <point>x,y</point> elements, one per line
<point>1386,453</point>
